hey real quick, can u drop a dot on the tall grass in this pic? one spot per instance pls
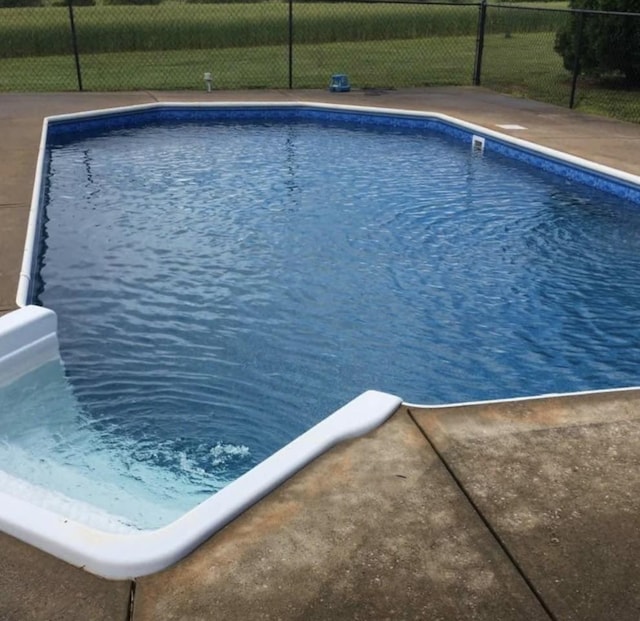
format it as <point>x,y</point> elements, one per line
<point>172,26</point>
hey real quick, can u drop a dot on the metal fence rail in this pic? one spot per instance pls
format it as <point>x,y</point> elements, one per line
<point>103,45</point>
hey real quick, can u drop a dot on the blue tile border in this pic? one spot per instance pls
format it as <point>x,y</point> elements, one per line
<point>590,178</point>
<point>67,129</point>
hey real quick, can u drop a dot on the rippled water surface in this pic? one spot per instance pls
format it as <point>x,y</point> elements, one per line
<point>220,288</point>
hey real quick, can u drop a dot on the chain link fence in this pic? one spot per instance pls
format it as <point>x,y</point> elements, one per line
<point>531,52</point>
<point>518,54</point>
<point>275,44</point>
<point>384,45</point>
<point>527,51</point>
<point>607,64</point>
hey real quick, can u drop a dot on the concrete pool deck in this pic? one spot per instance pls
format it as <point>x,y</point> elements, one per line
<point>516,510</point>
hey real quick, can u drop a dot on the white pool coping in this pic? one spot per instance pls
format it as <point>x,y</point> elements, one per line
<point>28,338</point>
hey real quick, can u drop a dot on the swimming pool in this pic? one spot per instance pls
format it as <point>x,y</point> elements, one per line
<point>400,123</point>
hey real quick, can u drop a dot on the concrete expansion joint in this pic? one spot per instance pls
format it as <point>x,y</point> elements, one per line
<point>458,483</point>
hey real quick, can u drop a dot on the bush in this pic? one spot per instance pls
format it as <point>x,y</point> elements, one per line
<point>609,43</point>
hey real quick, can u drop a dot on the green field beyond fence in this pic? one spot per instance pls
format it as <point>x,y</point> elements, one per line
<point>105,29</point>
<point>255,45</point>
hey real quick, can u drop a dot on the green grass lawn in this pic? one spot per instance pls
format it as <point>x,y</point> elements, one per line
<point>386,64</point>
<point>526,66</point>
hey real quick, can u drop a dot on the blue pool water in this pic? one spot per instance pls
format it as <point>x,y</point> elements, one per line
<point>222,287</point>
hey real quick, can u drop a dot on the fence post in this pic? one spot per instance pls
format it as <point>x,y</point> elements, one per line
<point>576,61</point>
<point>290,44</point>
<point>482,20</point>
<point>74,43</point>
